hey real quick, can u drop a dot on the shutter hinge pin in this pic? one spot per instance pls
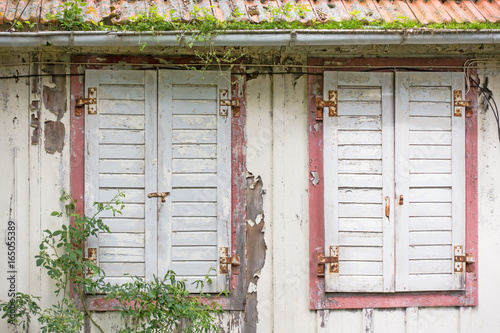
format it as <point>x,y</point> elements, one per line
<point>225,104</point>
<point>91,256</point>
<point>333,260</point>
<point>331,104</point>
<point>462,260</point>
<point>225,260</point>
<point>91,101</point>
<point>459,102</point>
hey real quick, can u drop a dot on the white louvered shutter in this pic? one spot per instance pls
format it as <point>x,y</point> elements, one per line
<point>430,174</point>
<point>160,132</point>
<point>195,167</point>
<point>358,174</point>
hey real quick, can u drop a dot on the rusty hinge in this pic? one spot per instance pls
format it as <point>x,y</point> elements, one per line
<point>162,195</point>
<point>458,103</point>
<point>91,256</point>
<point>463,260</point>
<point>225,104</point>
<point>91,101</point>
<point>331,104</point>
<point>225,261</point>
<point>333,260</point>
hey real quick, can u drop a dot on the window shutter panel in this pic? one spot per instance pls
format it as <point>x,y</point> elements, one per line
<point>195,167</point>
<point>117,157</point>
<point>430,174</point>
<point>358,175</point>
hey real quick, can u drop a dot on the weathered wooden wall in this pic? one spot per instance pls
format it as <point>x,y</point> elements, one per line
<point>35,171</point>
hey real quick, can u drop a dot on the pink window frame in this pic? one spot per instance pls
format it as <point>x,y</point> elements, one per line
<point>318,297</point>
<point>237,296</point>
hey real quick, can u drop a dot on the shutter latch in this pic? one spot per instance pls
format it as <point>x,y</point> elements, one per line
<point>458,103</point>
<point>91,256</point>
<point>331,104</point>
<point>463,260</point>
<point>225,261</point>
<point>225,104</point>
<point>91,101</point>
<point>333,260</point>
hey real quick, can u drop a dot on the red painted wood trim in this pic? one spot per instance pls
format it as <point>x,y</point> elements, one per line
<point>238,165</point>
<point>319,299</point>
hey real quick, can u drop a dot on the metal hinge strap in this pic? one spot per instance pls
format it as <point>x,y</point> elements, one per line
<point>462,260</point>
<point>331,104</point>
<point>225,260</point>
<point>333,260</point>
<point>225,104</point>
<point>91,101</point>
<point>459,102</point>
<point>91,256</point>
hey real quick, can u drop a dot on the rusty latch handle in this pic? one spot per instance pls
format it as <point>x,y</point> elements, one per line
<point>161,195</point>
<point>387,206</point>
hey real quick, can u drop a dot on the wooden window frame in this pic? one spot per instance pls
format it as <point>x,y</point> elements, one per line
<point>319,298</point>
<point>79,63</point>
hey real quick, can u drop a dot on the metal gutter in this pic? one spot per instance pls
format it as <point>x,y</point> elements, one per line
<point>250,38</point>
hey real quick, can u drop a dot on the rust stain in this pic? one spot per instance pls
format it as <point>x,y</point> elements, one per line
<point>54,136</point>
<point>256,247</point>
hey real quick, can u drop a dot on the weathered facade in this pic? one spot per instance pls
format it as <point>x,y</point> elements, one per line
<point>272,170</point>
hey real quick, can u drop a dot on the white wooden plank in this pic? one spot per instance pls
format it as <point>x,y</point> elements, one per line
<point>431,252</point>
<point>360,239</point>
<point>360,210</point>
<point>131,195</point>
<point>133,122</point>
<point>120,254</point>
<point>204,209</point>
<point>352,253</point>
<point>433,124</point>
<point>194,122</point>
<point>193,287</point>
<point>194,180</point>
<point>124,225</point>
<point>430,109</point>
<point>389,321</point>
<point>194,136</point>
<point>430,94</point>
<point>121,92</point>
<point>430,152</point>
<point>129,211</point>
<point>194,107</point>
<point>431,180</point>
<point>194,195</point>
<point>121,151</point>
<point>116,107</point>
<point>430,223</point>
<point>359,123</point>
<point>437,266</point>
<point>121,166</point>
<point>196,253</point>
<point>430,195</point>
<point>360,137</point>
<point>352,283</point>
<point>120,269</point>
<point>360,166</point>
<point>121,181</point>
<point>356,79</point>
<point>194,165</point>
<point>360,196</point>
<point>430,166</point>
<point>194,238</point>
<point>122,77</point>
<point>430,209</point>
<point>194,151</point>
<point>357,108</point>
<point>193,268</point>
<point>194,91</point>
<point>360,152</point>
<point>194,223</point>
<point>437,282</point>
<point>117,280</point>
<point>358,94</point>
<point>360,268</point>
<point>430,237</point>
<point>359,224</point>
<point>121,136</point>
<point>126,240</point>
<point>430,137</point>
<point>360,181</point>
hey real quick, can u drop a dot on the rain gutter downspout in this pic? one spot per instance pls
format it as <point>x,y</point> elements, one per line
<point>250,38</point>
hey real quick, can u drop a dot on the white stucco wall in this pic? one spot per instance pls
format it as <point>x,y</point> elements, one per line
<point>277,150</point>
